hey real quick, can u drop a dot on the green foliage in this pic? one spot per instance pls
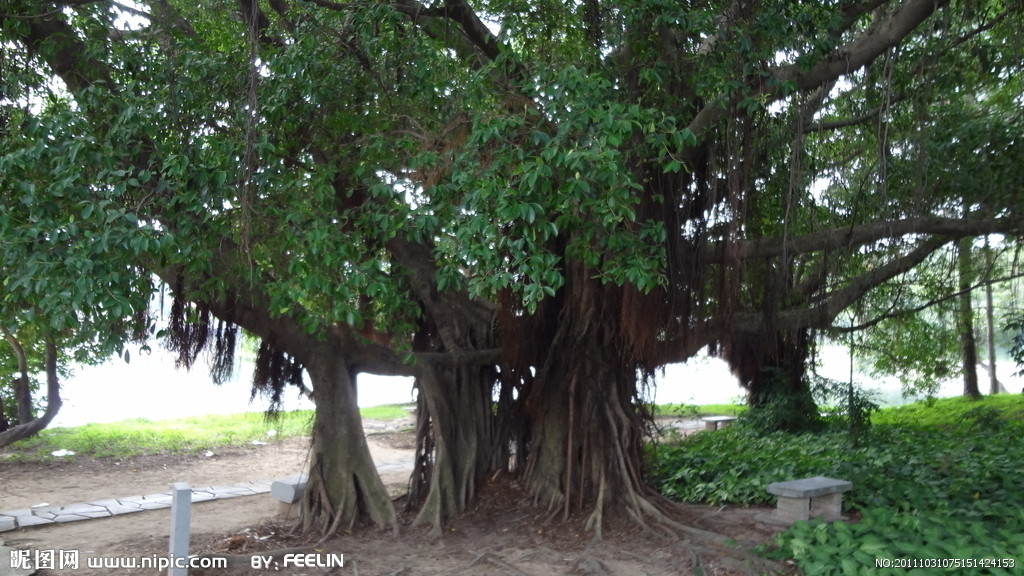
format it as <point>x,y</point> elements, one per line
<point>846,405</point>
<point>1015,325</point>
<point>930,481</point>
<point>924,539</point>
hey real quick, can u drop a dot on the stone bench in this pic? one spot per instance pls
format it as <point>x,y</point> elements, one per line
<point>817,497</point>
<point>288,491</point>
<point>716,422</point>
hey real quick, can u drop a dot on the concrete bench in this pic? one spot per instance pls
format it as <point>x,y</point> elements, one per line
<point>716,422</point>
<point>817,497</point>
<point>288,491</point>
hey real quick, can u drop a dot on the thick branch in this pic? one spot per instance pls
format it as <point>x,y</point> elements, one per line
<point>51,38</point>
<point>822,314</point>
<point>860,235</point>
<point>843,60</point>
<point>864,49</point>
<point>454,314</point>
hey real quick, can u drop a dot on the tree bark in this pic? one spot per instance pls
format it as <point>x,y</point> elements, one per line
<point>22,389</point>
<point>455,441</point>
<point>53,402</point>
<point>965,320</point>
<point>585,425</point>
<point>343,481</point>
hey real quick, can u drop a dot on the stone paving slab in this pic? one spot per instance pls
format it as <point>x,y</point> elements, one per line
<point>24,521</point>
<point>107,507</point>
<point>63,518</point>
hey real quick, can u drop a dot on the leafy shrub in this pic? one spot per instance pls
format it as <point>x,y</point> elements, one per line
<point>926,487</point>
<point>852,549</point>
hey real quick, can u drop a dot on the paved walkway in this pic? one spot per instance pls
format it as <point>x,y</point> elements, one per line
<point>35,516</point>
<point>39,515</point>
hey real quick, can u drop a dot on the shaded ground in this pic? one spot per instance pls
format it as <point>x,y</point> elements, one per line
<point>502,534</point>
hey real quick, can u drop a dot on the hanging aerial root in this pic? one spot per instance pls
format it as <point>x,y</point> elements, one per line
<point>595,522</point>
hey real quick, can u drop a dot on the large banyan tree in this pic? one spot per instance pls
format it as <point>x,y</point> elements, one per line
<point>530,207</point>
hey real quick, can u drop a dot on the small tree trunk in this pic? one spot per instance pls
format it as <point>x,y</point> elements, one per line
<point>965,321</point>
<point>994,386</point>
<point>4,422</point>
<point>53,402</point>
<point>343,484</point>
<point>22,389</point>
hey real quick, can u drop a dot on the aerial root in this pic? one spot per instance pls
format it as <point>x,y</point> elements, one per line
<point>479,557</point>
<point>654,521</point>
<point>486,556</point>
<point>590,565</point>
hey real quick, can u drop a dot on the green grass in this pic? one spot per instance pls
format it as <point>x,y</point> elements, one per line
<point>183,435</point>
<point>691,411</point>
<point>930,480</point>
<point>953,413</point>
<point>385,412</point>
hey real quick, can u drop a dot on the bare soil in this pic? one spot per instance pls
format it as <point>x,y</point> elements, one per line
<point>502,534</point>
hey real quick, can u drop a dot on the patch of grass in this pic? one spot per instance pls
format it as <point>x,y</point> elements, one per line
<point>696,411</point>
<point>183,435</point>
<point>385,412</point>
<point>955,413</point>
<point>930,481</point>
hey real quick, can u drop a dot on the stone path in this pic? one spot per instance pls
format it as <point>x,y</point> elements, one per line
<point>38,515</point>
<point>24,517</point>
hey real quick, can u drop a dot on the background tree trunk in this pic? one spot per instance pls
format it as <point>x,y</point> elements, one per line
<point>4,422</point>
<point>994,386</point>
<point>965,320</point>
<point>772,368</point>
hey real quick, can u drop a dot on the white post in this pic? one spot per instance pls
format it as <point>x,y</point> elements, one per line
<point>181,513</point>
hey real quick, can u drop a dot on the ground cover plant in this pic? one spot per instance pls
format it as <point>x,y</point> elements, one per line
<point>181,435</point>
<point>936,480</point>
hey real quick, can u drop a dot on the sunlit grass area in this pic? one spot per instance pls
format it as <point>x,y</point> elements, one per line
<point>697,411</point>
<point>181,435</point>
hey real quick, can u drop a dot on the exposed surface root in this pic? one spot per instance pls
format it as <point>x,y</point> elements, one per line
<point>501,534</point>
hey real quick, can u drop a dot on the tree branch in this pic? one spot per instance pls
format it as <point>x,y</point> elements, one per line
<point>864,49</point>
<point>843,60</point>
<point>859,235</point>
<point>825,311</point>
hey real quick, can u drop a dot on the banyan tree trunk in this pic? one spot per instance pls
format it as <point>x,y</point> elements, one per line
<point>455,440</point>
<point>343,485</point>
<point>585,425</point>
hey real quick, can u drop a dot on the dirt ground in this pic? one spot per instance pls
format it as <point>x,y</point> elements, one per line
<point>502,534</point>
